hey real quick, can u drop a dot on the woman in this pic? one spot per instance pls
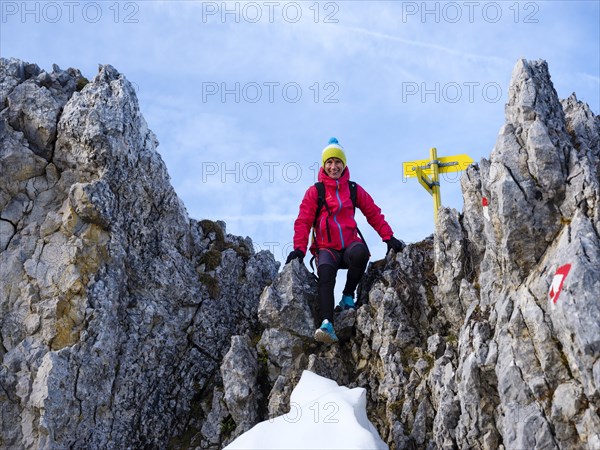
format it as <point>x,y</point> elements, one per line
<point>336,242</point>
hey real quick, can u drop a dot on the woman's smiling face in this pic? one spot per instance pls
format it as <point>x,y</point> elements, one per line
<point>333,168</point>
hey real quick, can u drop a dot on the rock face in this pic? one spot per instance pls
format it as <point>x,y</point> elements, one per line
<point>125,324</point>
<point>116,309</point>
<point>461,341</point>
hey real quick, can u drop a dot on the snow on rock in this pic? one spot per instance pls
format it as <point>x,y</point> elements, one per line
<point>322,415</point>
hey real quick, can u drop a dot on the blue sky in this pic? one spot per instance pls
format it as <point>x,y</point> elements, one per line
<point>243,96</point>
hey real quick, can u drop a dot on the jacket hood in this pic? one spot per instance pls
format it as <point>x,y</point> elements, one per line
<point>327,180</point>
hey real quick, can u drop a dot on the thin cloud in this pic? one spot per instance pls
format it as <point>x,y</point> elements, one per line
<point>421,44</point>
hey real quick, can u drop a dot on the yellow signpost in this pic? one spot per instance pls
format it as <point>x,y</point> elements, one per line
<point>427,172</point>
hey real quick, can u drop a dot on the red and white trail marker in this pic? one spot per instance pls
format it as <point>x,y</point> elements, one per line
<point>557,282</point>
<point>485,203</point>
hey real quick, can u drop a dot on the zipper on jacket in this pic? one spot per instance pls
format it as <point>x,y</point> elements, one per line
<point>337,194</point>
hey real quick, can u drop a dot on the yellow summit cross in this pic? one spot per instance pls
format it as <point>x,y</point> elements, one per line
<point>427,172</point>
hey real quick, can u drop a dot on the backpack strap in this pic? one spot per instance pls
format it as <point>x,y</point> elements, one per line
<point>353,189</point>
<point>352,185</point>
<point>320,203</point>
<point>320,200</point>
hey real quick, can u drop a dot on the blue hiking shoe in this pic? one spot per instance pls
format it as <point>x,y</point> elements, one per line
<point>325,333</point>
<point>347,302</point>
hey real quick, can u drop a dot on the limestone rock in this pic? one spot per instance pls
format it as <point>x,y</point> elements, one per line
<point>239,371</point>
<point>109,330</point>
<point>126,324</point>
<point>289,303</point>
<point>542,187</point>
<point>461,340</point>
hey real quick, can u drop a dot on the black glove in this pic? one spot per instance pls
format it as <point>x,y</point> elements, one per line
<point>295,254</point>
<point>395,244</point>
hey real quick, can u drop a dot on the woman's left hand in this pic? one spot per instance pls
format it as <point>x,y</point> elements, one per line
<point>395,244</point>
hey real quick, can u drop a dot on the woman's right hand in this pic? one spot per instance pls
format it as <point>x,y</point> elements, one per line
<point>295,254</point>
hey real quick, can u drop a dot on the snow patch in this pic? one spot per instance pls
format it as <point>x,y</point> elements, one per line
<point>323,415</point>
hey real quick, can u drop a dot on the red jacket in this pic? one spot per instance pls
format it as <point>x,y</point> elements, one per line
<point>341,223</point>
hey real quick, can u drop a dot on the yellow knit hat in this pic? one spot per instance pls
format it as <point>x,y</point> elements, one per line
<point>333,150</point>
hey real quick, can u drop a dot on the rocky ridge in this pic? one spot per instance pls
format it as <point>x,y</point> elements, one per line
<point>459,340</point>
<point>116,309</point>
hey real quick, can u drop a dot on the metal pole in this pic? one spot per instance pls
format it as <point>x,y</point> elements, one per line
<point>437,198</point>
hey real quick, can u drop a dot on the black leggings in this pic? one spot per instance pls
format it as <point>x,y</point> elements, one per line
<point>354,258</point>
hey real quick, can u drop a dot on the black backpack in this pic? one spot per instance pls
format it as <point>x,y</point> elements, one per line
<point>321,202</point>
